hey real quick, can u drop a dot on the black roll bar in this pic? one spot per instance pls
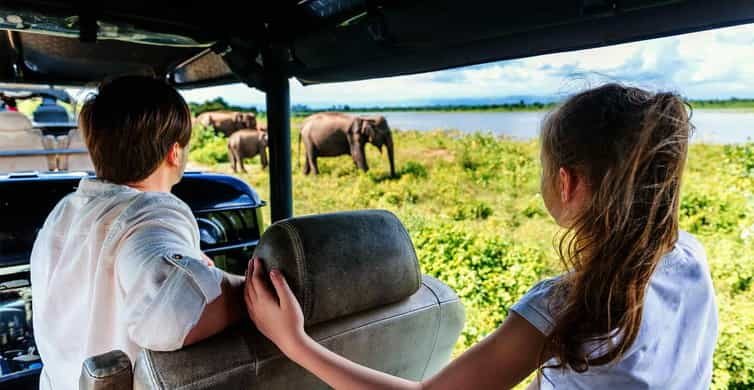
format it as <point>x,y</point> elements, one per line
<point>40,152</point>
<point>279,131</point>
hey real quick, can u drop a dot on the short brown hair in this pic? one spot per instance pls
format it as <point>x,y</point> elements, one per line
<point>130,125</point>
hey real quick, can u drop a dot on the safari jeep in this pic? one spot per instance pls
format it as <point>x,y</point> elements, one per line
<point>365,300</point>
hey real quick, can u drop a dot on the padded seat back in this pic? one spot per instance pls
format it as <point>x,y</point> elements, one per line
<point>357,277</point>
<point>17,134</point>
<point>49,111</point>
<point>412,338</point>
<point>74,162</point>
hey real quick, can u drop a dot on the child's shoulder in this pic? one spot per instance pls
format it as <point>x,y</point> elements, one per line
<point>688,242</point>
<point>156,203</point>
<point>687,260</point>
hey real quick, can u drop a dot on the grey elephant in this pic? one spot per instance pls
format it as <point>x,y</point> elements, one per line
<point>227,122</point>
<point>247,143</point>
<point>330,134</point>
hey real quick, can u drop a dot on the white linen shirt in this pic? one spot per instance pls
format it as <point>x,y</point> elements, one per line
<point>677,335</point>
<point>115,268</point>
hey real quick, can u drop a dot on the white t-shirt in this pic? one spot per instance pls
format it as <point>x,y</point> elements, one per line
<point>115,268</point>
<point>676,339</point>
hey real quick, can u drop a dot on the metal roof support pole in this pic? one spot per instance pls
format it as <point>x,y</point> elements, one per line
<point>278,100</point>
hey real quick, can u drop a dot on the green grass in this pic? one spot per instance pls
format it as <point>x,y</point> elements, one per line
<point>727,104</point>
<point>472,206</point>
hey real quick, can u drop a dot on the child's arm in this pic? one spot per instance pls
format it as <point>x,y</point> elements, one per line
<point>501,360</point>
<point>225,310</point>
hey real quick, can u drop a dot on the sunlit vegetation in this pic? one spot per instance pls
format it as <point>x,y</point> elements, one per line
<point>301,110</point>
<point>472,206</point>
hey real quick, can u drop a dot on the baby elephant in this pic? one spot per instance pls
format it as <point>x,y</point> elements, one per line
<point>247,143</point>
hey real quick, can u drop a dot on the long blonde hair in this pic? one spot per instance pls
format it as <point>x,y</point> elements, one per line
<point>630,146</point>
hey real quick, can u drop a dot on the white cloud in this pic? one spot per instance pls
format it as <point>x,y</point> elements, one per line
<point>711,64</point>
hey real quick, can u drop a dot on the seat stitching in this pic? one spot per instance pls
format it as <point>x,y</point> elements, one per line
<point>416,258</point>
<point>198,381</point>
<point>154,377</point>
<point>437,329</point>
<point>298,251</point>
<point>357,328</point>
<point>378,321</point>
<point>93,375</point>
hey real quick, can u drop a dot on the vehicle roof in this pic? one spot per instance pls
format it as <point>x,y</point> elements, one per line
<point>211,43</point>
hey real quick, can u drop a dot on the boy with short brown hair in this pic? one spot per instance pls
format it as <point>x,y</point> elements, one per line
<point>117,264</point>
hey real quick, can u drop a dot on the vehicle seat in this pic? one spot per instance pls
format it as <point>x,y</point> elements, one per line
<point>73,162</point>
<point>17,134</point>
<point>357,277</point>
<point>49,111</point>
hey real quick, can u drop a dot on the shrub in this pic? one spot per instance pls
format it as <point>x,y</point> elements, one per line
<point>734,356</point>
<point>707,213</point>
<point>740,158</point>
<point>475,209</point>
<point>479,223</point>
<point>208,147</point>
<point>413,168</point>
<point>487,272</point>
<point>535,207</point>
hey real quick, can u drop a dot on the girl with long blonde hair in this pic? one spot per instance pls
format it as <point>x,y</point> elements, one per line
<point>635,308</point>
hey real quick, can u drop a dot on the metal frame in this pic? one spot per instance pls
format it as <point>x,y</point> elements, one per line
<point>278,100</point>
<point>347,40</point>
<point>45,152</point>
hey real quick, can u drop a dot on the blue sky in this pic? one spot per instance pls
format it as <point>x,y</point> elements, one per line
<point>704,65</point>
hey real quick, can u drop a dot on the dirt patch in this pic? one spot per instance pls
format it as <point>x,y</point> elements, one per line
<point>444,154</point>
<point>195,166</point>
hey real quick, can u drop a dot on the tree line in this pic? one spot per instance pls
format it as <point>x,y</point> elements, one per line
<point>219,104</point>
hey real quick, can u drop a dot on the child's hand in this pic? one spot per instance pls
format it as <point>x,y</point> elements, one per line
<point>276,314</point>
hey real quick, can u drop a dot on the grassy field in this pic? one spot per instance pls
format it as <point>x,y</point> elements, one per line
<point>472,207</point>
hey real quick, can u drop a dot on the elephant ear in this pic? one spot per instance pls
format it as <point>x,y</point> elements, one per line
<point>356,126</point>
<point>368,128</point>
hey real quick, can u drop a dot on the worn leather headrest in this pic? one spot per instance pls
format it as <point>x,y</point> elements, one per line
<point>342,263</point>
<point>14,121</point>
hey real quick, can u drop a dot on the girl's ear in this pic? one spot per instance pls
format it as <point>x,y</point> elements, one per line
<point>571,185</point>
<point>564,184</point>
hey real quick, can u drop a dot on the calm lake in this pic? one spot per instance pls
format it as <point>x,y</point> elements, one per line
<point>712,126</point>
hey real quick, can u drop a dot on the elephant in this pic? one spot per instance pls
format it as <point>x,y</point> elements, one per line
<point>227,122</point>
<point>329,134</point>
<point>247,143</point>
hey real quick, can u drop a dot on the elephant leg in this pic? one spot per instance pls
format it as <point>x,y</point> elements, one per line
<point>307,167</point>
<point>232,156</point>
<point>240,162</point>
<point>263,158</point>
<point>313,161</point>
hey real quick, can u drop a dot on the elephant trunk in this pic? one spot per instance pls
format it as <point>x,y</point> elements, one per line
<point>391,155</point>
